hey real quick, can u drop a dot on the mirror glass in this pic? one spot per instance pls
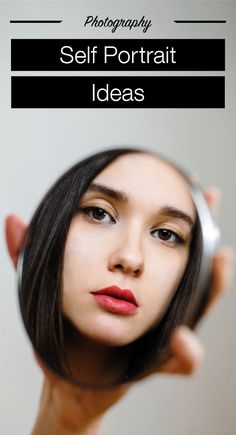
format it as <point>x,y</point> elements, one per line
<point>117,255</point>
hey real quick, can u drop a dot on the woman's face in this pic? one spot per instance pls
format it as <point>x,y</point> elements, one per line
<point>127,249</point>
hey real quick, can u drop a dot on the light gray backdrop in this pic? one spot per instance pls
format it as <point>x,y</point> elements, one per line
<point>37,145</point>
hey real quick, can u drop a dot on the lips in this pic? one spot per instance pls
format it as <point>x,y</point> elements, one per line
<point>116,300</point>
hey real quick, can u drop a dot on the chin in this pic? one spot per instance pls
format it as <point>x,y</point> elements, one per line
<point>104,332</point>
<point>110,337</point>
<point>110,340</point>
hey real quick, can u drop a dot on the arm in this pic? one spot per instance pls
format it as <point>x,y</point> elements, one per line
<point>67,409</point>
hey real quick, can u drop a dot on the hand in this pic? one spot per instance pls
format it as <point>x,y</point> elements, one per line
<point>187,351</point>
<point>185,347</point>
<point>62,405</point>
<point>83,407</point>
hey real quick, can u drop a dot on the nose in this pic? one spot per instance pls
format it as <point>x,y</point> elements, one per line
<point>127,255</point>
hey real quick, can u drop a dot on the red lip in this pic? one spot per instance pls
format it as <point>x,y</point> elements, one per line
<point>116,300</point>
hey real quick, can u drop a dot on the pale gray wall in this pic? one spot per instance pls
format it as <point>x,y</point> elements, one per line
<point>37,145</point>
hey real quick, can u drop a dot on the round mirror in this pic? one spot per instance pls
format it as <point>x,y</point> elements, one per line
<point>117,255</point>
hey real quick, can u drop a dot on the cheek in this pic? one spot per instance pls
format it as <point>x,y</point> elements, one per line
<point>79,257</point>
<point>165,273</point>
<point>78,260</point>
<point>84,258</point>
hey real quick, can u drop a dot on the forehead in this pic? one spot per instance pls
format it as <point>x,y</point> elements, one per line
<point>146,178</point>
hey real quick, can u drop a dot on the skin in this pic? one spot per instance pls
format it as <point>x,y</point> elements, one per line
<point>65,409</point>
<point>129,242</point>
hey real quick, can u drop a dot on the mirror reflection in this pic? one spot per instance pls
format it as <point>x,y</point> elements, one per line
<point>110,266</point>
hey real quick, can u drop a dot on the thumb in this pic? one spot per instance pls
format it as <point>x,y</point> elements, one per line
<point>15,230</point>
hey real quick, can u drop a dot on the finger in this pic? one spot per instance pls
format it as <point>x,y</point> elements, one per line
<point>213,197</point>
<point>171,366</point>
<point>15,234</point>
<point>187,350</point>
<point>187,354</point>
<point>221,275</point>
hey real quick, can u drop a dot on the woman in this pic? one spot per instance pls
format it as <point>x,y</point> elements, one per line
<point>130,225</point>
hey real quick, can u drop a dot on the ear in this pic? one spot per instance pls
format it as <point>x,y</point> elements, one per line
<point>15,234</point>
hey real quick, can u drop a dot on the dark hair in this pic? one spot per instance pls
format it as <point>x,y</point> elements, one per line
<point>40,287</point>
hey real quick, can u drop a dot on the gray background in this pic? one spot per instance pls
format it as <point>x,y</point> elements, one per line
<point>37,145</point>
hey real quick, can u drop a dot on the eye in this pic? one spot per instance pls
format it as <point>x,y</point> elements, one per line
<point>98,214</point>
<point>167,236</point>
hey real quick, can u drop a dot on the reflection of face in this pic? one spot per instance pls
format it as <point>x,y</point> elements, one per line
<point>132,230</point>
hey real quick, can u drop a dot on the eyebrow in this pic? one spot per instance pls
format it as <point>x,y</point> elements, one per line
<point>176,213</point>
<point>118,195</point>
<point>121,196</point>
